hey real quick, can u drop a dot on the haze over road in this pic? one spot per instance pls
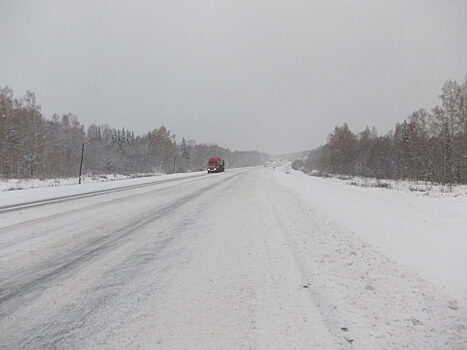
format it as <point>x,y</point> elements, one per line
<point>221,261</point>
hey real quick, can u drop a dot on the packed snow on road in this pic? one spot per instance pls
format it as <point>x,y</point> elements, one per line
<point>252,258</point>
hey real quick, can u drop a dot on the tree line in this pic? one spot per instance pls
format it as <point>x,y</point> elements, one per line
<point>429,145</point>
<point>34,146</point>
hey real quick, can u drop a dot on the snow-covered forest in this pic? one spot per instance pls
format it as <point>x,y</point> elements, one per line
<point>429,145</point>
<point>34,146</point>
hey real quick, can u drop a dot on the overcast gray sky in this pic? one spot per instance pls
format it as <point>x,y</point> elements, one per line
<point>271,75</point>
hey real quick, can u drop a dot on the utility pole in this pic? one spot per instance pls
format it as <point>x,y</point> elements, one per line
<point>5,164</point>
<point>81,164</point>
<point>174,149</point>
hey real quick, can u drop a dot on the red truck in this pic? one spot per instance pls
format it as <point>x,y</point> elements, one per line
<point>215,165</point>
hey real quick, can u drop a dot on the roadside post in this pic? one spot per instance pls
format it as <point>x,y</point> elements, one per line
<point>81,164</point>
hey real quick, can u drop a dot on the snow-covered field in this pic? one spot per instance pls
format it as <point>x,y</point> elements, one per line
<point>248,259</point>
<point>420,188</point>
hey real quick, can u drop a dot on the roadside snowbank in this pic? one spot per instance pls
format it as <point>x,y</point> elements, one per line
<point>425,233</point>
<point>23,184</point>
<point>44,193</point>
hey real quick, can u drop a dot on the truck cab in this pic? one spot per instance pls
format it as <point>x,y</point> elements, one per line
<point>215,165</point>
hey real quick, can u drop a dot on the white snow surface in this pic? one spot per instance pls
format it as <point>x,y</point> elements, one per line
<point>425,233</point>
<point>420,188</point>
<point>246,259</point>
<point>39,190</point>
<point>22,184</point>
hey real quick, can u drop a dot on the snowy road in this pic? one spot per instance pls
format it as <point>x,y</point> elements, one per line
<point>225,261</point>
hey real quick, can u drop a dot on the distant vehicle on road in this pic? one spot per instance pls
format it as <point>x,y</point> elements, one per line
<point>215,165</point>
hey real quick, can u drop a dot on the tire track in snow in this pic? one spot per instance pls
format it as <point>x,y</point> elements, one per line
<point>332,321</point>
<point>36,280</point>
<point>93,306</point>
<point>42,202</point>
<point>367,300</point>
<point>71,212</point>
